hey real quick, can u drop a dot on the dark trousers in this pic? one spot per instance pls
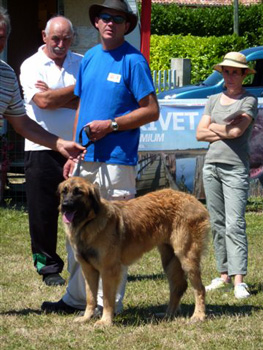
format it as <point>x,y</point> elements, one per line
<point>43,171</point>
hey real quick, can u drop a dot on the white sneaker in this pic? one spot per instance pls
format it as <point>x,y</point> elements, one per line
<point>241,291</point>
<point>218,283</point>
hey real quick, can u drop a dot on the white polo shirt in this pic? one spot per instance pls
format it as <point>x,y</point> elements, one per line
<point>40,67</point>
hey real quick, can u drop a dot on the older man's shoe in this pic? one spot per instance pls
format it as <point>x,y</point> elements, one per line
<point>59,307</point>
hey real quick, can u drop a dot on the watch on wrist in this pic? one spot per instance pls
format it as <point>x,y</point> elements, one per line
<point>114,125</point>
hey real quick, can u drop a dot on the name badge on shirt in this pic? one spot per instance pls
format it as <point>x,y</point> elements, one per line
<point>115,78</point>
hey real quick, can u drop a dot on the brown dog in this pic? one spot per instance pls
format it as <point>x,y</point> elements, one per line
<point>106,235</point>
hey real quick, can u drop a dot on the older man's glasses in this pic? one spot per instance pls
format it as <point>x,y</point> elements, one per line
<point>109,18</point>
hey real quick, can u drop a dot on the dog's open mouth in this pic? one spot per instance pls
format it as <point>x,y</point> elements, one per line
<point>256,172</point>
<point>68,217</point>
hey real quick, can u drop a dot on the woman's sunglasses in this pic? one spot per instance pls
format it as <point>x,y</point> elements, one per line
<point>109,18</point>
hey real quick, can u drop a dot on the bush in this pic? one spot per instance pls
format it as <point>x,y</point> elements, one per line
<point>203,52</point>
<point>207,21</point>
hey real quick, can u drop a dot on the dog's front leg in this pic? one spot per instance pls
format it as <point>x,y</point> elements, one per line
<point>91,277</point>
<point>110,282</point>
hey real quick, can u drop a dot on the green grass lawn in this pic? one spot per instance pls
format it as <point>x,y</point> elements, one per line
<point>230,324</point>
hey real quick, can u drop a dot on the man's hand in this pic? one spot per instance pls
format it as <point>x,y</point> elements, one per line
<point>29,129</point>
<point>70,149</point>
<point>68,168</point>
<point>98,129</point>
<point>42,86</point>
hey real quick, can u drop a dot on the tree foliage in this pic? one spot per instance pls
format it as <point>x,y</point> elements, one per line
<point>172,19</point>
<point>204,52</point>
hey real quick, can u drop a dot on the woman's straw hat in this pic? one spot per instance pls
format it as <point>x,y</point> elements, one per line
<point>234,59</point>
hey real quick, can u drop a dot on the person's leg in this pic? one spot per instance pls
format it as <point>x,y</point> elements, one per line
<point>120,292</point>
<point>216,207</point>
<point>75,295</point>
<point>43,170</point>
<point>236,185</point>
<point>74,300</point>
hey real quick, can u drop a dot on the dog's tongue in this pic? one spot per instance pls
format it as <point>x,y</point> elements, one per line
<point>68,217</point>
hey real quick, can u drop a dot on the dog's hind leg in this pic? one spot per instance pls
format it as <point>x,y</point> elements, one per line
<point>192,268</point>
<point>175,275</point>
<point>91,277</point>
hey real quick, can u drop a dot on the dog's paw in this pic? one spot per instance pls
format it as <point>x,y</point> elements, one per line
<point>169,314</point>
<point>82,319</point>
<point>103,323</point>
<point>197,318</point>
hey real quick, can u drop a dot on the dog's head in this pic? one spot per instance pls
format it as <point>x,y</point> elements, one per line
<point>79,200</point>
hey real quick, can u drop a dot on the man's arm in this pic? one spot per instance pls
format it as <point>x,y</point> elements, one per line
<point>34,132</point>
<point>146,113</point>
<point>55,98</point>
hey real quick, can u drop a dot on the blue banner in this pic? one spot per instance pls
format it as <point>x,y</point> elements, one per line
<point>176,127</point>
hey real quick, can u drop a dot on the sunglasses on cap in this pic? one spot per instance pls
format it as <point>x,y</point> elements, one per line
<point>109,18</point>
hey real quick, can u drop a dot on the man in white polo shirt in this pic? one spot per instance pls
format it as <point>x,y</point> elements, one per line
<point>48,80</point>
<point>12,107</point>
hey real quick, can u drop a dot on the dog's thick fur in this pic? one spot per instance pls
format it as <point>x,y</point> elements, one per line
<point>106,235</point>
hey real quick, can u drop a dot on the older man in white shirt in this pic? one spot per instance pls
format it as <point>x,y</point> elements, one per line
<point>48,80</point>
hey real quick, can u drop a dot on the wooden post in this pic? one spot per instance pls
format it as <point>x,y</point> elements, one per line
<point>198,190</point>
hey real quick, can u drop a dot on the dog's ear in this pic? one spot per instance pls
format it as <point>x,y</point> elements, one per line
<point>60,187</point>
<point>95,198</point>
